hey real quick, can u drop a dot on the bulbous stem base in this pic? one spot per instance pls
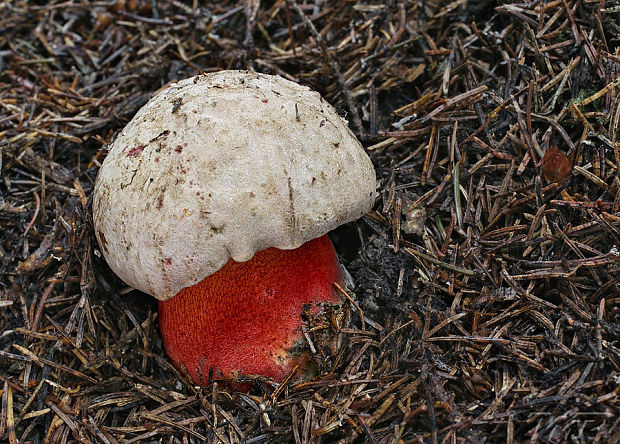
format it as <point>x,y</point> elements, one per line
<point>246,319</point>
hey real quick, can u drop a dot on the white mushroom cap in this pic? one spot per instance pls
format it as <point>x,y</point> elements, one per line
<point>220,166</point>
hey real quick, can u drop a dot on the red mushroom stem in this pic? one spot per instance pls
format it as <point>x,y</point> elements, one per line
<point>246,319</point>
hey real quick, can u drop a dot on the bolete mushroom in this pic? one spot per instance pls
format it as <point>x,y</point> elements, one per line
<point>216,199</point>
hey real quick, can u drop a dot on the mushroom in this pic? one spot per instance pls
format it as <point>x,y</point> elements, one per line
<point>216,199</point>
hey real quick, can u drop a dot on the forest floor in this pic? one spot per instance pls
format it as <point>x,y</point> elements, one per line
<point>487,293</point>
